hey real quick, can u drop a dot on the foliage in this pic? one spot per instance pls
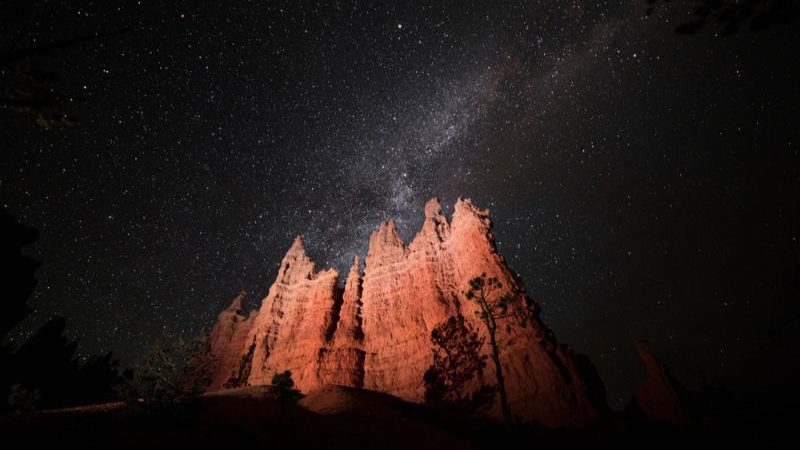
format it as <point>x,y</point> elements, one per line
<point>97,379</point>
<point>284,387</point>
<point>732,15</point>
<point>285,391</point>
<point>17,277</point>
<point>42,372</point>
<point>47,363</point>
<point>32,91</point>
<point>175,370</point>
<point>22,400</point>
<point>456,361</point>
<point>495,305</point>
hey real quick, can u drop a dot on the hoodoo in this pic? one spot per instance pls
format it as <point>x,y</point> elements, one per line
<point>377,333</point>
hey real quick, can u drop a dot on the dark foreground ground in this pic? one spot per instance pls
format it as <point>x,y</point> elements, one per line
<point>337,418</point>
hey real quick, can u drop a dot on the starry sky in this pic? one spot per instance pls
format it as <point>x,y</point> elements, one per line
<point>644,184</point>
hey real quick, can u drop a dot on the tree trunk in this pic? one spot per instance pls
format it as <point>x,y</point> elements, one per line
<point>501,385</point>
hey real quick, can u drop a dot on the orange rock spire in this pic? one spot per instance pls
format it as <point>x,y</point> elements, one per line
<point>376,333</point>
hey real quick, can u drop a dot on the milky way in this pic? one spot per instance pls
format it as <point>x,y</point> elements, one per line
<point>421,145</point>
<point>635,177</point>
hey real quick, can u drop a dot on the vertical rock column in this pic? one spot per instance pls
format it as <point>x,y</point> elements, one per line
<point>228,338</point>
<point>342,362</point>
<point>295,321</point>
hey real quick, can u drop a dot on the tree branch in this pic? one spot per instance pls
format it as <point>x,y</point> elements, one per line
<point>14,56</point>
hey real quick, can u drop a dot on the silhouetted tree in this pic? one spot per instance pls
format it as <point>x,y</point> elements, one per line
<point>42,372</point>
<point>17,273</point>
<point>732,15</point>
<point>496,306</point>
<point>456,361</point>
<point>175,370</point>
<point>22,400</point>
<point>97,379</point>
<point>46,364</point>
<point>32,91</point>
<point>17,281</point>
<point>284,389</point>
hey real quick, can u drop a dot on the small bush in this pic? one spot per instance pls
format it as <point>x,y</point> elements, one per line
<point>22,400</point>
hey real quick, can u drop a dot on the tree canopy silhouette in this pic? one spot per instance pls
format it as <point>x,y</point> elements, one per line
<point>457,360</point>
<point>175,370</point>
<point>733,15</point>
<point>496,305</point>
<point>17,274</point>
<point>33,91</point>
<point>44,371</point>
<point>284,389</point>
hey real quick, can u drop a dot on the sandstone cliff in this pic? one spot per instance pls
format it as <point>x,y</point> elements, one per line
<point>377,332</point>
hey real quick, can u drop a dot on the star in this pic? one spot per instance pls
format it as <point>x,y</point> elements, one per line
<point>622,163</point>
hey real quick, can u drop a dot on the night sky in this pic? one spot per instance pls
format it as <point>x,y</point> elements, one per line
<point>644,184</point>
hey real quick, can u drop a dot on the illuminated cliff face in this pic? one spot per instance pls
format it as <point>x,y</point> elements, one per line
<point>376,333</point>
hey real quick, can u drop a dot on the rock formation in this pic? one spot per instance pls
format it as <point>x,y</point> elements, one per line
<point>658,397</point>
<point>376,332</point>
<point>342,361</point>
<point>228,338</point>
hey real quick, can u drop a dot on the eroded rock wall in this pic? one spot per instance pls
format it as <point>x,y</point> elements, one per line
<point>376,332</point>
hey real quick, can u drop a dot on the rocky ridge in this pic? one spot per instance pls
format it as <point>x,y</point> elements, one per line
<point>376,332</point>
